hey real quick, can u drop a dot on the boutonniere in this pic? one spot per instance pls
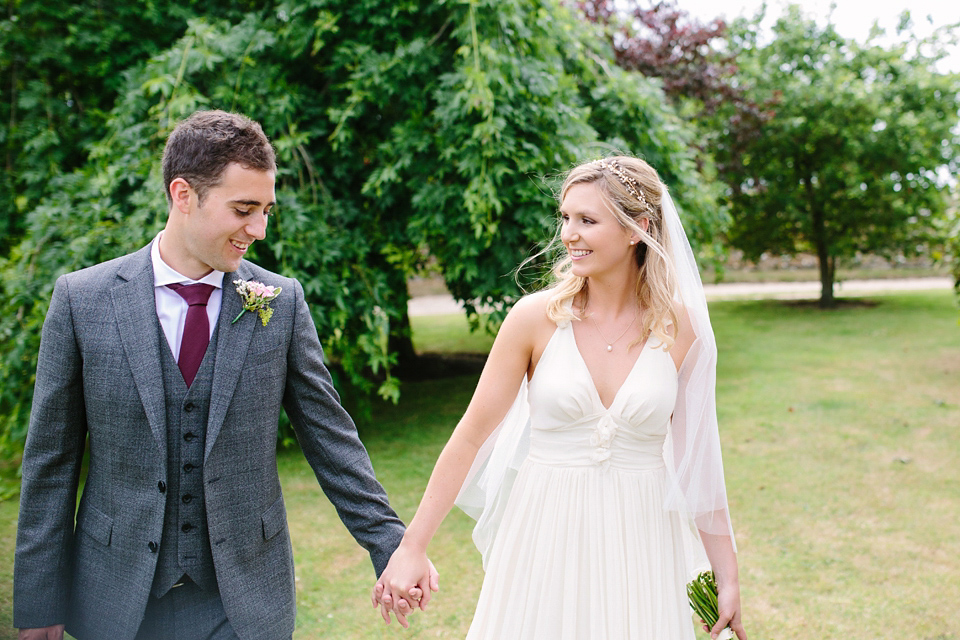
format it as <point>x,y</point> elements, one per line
<point>256,298</point>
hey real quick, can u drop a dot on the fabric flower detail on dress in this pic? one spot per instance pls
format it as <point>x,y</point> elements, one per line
<point>256,298</point>
<point>602,438</point>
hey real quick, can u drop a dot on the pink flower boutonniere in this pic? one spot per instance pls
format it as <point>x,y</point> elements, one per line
<point>256,298</point>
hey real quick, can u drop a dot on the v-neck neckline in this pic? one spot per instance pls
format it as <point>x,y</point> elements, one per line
<point>593,383</point>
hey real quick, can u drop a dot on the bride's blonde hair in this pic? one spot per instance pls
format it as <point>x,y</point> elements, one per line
<point>632,190</point>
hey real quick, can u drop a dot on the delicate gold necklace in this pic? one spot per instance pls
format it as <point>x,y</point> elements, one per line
<point>610,343</point>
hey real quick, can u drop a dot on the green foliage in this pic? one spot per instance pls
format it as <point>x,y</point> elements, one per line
<point>405,132</point>
<point>951,232</point>
<point>854,157</point>
<point>61,71</point>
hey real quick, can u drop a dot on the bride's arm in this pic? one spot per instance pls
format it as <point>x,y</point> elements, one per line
<point>719,547</point>
<point>507,364</point>
<point>723,561</point>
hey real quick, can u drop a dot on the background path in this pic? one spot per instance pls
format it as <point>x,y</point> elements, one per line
<point>445,304</point>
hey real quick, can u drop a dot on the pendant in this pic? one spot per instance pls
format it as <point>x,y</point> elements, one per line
<point>609,347</point>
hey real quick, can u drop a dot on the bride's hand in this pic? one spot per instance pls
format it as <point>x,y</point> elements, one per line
<point>406,584</point>
<point>728,608</point>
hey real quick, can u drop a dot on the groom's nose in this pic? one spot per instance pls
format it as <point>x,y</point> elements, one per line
<point>257,227</point>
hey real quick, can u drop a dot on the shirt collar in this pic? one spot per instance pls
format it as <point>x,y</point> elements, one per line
<point>164,274</point>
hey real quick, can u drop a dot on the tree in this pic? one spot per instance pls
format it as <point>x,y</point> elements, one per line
<point>950,230</point>
<point>854,158</point>
<point>405,131</point>
<point>61,71</point>
<point>664,41</point>
<point>699,75</point>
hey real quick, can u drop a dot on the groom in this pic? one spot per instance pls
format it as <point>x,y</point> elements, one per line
<point>181,530</point>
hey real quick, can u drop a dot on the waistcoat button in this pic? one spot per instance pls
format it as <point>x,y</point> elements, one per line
<point>161,486</point>
<point>153,546</point>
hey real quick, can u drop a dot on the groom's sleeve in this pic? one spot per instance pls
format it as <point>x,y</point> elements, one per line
<point>51,470</point>
<point>329,440</point>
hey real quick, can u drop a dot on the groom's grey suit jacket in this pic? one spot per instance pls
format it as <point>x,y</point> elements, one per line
<point>99,377</point>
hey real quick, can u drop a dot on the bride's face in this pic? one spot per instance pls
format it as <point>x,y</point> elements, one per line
<point>595,240</point>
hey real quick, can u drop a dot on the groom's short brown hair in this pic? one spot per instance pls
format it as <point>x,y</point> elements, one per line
<point>201,147</point>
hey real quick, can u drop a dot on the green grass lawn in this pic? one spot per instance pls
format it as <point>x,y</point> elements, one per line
<point>840,434</point>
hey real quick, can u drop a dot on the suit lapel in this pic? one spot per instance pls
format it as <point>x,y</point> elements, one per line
<point>134,305</point>
<point>233,341</point>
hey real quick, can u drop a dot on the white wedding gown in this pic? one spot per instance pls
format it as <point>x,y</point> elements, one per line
<point>585,549</point>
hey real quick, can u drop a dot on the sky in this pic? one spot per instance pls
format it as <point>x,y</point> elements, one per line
<point>853,18</point>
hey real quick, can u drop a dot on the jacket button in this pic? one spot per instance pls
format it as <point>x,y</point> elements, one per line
<point>153,546</point>
<point>187,498</point>
<point>161,486</point>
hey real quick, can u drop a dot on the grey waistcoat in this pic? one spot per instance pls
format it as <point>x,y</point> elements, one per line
<point>185,546</point>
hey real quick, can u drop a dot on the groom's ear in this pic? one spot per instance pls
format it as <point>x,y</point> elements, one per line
<point>180,194</point>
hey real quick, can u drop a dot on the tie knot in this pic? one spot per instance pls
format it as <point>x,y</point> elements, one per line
<point>194,294</point>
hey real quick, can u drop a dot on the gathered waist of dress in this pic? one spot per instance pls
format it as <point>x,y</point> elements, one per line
<point>603,444</point>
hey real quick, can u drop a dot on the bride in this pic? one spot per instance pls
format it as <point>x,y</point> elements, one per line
<point>598,487</point>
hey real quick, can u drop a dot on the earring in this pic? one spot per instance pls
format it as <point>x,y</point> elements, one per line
<point>632,242</point>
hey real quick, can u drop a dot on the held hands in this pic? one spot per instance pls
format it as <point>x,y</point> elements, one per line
<point>47,633</point>
<point>405,584</point>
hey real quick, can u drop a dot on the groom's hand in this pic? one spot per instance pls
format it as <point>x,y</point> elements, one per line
<point>402,608</point>
<point>46,633</point>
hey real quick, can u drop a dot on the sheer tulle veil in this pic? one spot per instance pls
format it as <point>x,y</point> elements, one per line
<point>692,449</point>
<point>697,486</point>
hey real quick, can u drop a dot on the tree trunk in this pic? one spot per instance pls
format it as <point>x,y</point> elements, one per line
<point>401,334</point>
<point>827,301</point>
<point>825,260</point>
<point>401,343</point>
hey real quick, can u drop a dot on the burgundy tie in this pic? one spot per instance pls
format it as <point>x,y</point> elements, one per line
<point>196,330</point>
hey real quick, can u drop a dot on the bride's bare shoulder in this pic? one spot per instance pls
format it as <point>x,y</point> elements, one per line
<point>527,328</point>
<point>536,301</point>
<point>529,315</point>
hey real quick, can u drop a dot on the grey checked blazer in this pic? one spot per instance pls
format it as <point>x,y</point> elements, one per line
<point>99,376</point>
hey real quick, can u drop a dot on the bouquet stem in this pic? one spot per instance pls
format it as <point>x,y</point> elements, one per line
<point>702,592</point>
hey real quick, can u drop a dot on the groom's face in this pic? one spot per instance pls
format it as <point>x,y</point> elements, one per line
<point>232,216</point>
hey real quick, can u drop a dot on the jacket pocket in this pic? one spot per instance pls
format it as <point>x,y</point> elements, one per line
<point>255,359</point>
<point>274,519</point>
<point>95,523</point>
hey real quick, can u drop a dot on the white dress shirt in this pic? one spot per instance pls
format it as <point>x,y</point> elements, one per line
<point>171,308</point>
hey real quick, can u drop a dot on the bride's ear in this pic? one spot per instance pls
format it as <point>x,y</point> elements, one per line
<point>645,225</point>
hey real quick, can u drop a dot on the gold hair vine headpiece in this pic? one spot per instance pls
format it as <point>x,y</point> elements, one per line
<point>633,187</point>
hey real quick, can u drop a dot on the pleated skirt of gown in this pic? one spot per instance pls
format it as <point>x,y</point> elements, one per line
<point>586,553</point>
